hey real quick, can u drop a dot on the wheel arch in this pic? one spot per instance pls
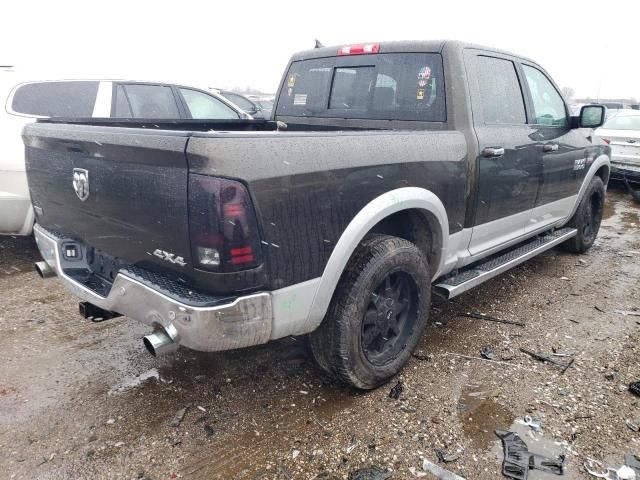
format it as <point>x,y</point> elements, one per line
<point>601,167</point>
<point>422,205</point>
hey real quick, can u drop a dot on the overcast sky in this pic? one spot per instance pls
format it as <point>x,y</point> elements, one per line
<point>589,46</point>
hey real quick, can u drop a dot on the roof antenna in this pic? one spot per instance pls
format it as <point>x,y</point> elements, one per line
<point>318,44</point>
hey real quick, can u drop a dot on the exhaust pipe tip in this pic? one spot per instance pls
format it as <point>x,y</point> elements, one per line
<point>44,270</point>
<point>159,343</point>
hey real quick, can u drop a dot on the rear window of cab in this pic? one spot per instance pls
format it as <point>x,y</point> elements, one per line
<point>386,86</point>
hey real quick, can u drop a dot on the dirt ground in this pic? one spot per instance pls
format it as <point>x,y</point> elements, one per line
<point>85,400</point>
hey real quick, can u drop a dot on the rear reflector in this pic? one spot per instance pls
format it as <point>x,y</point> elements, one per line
<point>359,49</point>
<point>223,225</point>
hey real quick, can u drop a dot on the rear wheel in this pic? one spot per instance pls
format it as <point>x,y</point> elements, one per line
<point>377,315</point>
<point>587,218</point>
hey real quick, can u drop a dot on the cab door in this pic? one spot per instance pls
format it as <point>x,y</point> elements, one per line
<point>508,168</point>
<point>562,150</point>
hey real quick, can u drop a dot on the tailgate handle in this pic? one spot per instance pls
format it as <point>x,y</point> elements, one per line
<point>550,147</point>
<point>493,152</point>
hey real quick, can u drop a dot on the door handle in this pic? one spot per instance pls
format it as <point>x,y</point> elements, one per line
<point>493,152</point>
<point>550,147</point>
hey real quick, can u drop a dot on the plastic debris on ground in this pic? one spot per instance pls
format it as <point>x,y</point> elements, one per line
<point>396,391</point>
<point>487,353</point>
<point>518,460</point>
<point>372,473</point>
<point>635,388</point>
<point>439,472</point>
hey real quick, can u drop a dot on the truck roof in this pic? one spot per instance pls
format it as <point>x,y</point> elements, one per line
<point>404,46</point>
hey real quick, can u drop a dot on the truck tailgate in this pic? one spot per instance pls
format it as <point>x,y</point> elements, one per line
<point>119,190</point>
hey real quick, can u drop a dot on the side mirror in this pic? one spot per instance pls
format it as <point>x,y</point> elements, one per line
<point>592,116</point>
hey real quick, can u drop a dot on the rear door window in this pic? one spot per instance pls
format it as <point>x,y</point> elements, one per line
<point>55,99</point>
<point>204,106</point>
<point>387,86</point>
<point>149,101</point>
<point>500,93</point>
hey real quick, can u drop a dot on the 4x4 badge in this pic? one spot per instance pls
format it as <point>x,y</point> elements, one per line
<point>81,183</point>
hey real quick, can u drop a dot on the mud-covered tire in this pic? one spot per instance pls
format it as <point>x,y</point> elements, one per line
<point>587,218</point>
<point>386,274</point>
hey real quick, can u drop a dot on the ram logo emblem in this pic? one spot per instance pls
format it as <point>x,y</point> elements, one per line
<point>81,183</point>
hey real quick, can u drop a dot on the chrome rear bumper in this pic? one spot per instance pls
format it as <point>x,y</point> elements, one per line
<point>244,322</point>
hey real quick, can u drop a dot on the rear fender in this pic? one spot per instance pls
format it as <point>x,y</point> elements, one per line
<point>379,208</point>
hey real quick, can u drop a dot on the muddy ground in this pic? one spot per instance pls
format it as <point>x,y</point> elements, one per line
<point>85,400</point>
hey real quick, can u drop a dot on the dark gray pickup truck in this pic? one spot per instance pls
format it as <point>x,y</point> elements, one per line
<point>387,171</point>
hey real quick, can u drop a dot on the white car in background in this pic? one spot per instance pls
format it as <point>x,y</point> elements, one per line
<point>622,132</point>
<point>25,102</point>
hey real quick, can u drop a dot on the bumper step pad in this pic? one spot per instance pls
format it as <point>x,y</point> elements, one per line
<point>473,275</point>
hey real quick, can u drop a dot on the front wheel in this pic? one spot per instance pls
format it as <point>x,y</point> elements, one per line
<point>377,315</point>
<point>587,218</point>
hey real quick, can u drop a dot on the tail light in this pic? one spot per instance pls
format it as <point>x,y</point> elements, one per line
<point>606,140</point>
<point>223,226</point>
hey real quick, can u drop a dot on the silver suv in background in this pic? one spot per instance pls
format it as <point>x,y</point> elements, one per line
<point>25,102</point>
<point>255,107</point>
<point>621,132</point>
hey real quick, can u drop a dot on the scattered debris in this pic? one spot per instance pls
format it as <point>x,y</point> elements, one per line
<point>634,427</point>
<point>396,391</point>
<point>594,468</point>
<point>285,472</point>
<point>445,457</point>
<point>439,472</point>
<point>177,419</point>
<point>488,318</point>
<point>531,423</point>
<point>422,357</point>
<point>518,460</point>
<point>544,358</point>
<point>632,313</point>
<point>487,353</point>
<point>626,473</point>
<point>372,473</point>
<point>202,409</point>
<point>599,309</point>
<point>354,443</point>
<point>632,461</point>
<point>208,430</point>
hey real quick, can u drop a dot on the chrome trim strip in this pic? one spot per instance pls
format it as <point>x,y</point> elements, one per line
<point>451,291</point>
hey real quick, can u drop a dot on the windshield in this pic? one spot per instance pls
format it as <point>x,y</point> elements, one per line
<point>623,122</point>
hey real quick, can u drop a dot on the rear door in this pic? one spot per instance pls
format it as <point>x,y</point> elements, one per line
<point>508,168</point>
<point>562,150</point>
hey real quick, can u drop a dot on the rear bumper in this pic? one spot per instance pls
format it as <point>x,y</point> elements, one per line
<point>620,171</point>
<point>242,322</point>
